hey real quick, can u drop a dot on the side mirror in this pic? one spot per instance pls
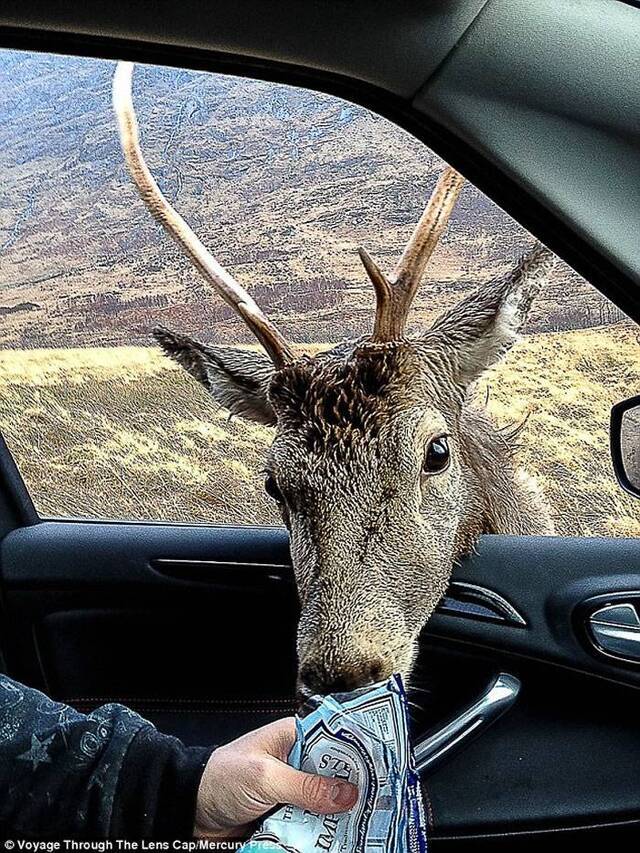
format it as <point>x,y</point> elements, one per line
<point>625,444</point>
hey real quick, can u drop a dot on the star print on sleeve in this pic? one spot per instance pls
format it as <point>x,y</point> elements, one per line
<point>39,752</point>
<point>107,774</point>
<point>54,769</point>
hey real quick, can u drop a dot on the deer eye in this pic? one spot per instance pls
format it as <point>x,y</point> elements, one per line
<point>436,458</point>
<point>272,489</point>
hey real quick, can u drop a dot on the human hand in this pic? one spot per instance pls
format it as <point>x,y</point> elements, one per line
<point>249,776</point>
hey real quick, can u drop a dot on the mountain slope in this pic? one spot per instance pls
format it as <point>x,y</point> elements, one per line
<point>283,184</point>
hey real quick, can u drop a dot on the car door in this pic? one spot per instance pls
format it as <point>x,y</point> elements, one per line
<point>194,624</point>
<point>194,627</point>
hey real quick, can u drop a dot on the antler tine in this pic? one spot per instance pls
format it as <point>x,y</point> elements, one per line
<point>428,231</point>
<point>394,294</point>
<point>229,289</point>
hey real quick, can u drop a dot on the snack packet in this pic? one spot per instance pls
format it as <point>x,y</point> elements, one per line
<point>361,737</point>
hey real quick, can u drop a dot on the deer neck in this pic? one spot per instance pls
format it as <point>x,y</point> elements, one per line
<point>493,492</point>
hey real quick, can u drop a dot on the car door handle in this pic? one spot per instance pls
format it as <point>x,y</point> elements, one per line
<point>434,747</point>
<point>615,630</point>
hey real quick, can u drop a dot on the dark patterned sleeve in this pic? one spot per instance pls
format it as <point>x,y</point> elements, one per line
<point>107,774</point>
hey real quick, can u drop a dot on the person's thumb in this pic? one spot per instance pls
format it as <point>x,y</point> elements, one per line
<point>319,794</point>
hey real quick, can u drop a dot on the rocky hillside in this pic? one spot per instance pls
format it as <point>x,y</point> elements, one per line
<point>283,184</point>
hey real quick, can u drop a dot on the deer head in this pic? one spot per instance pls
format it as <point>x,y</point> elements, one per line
<point>382,470</point>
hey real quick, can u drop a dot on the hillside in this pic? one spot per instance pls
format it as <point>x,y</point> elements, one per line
<point>284,184</point>
<point>121,432</point>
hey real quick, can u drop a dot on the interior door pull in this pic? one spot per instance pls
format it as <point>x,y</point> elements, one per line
<point>615,630</point>
<point>441,743</point>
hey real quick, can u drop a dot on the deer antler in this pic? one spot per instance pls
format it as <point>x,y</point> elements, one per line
<point>394,294</point>
<point>231,291</point>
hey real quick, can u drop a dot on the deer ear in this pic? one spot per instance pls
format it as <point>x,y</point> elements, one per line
<point>483,326</point>
<point>238,379</point>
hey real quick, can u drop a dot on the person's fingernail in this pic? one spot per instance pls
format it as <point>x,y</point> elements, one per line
<point>344,794</point>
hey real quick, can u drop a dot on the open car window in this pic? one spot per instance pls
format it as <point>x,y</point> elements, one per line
<point>283,185</point>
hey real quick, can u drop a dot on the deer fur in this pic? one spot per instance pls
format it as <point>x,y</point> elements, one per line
<point>385,468</point>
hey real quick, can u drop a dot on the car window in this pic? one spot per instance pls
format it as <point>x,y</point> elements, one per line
<point>283,185</point>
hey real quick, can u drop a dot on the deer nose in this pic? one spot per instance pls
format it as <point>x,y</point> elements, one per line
<point>315,677</point>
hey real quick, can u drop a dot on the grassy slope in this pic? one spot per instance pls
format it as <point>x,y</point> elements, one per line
<point>120,432</point>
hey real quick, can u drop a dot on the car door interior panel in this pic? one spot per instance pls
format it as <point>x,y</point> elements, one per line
<point>195,628</point>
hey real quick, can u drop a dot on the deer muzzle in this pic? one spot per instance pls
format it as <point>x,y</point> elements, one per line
<point>337,661</point>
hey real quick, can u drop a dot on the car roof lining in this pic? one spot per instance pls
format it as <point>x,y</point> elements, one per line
<point>464,76</point>
<point>409,40</point>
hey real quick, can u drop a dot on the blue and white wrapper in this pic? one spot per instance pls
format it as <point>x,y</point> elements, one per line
<point>363,738</point>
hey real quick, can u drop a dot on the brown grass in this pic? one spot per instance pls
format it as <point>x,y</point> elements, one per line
<point>567,382</point>
<point>120,432</point>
